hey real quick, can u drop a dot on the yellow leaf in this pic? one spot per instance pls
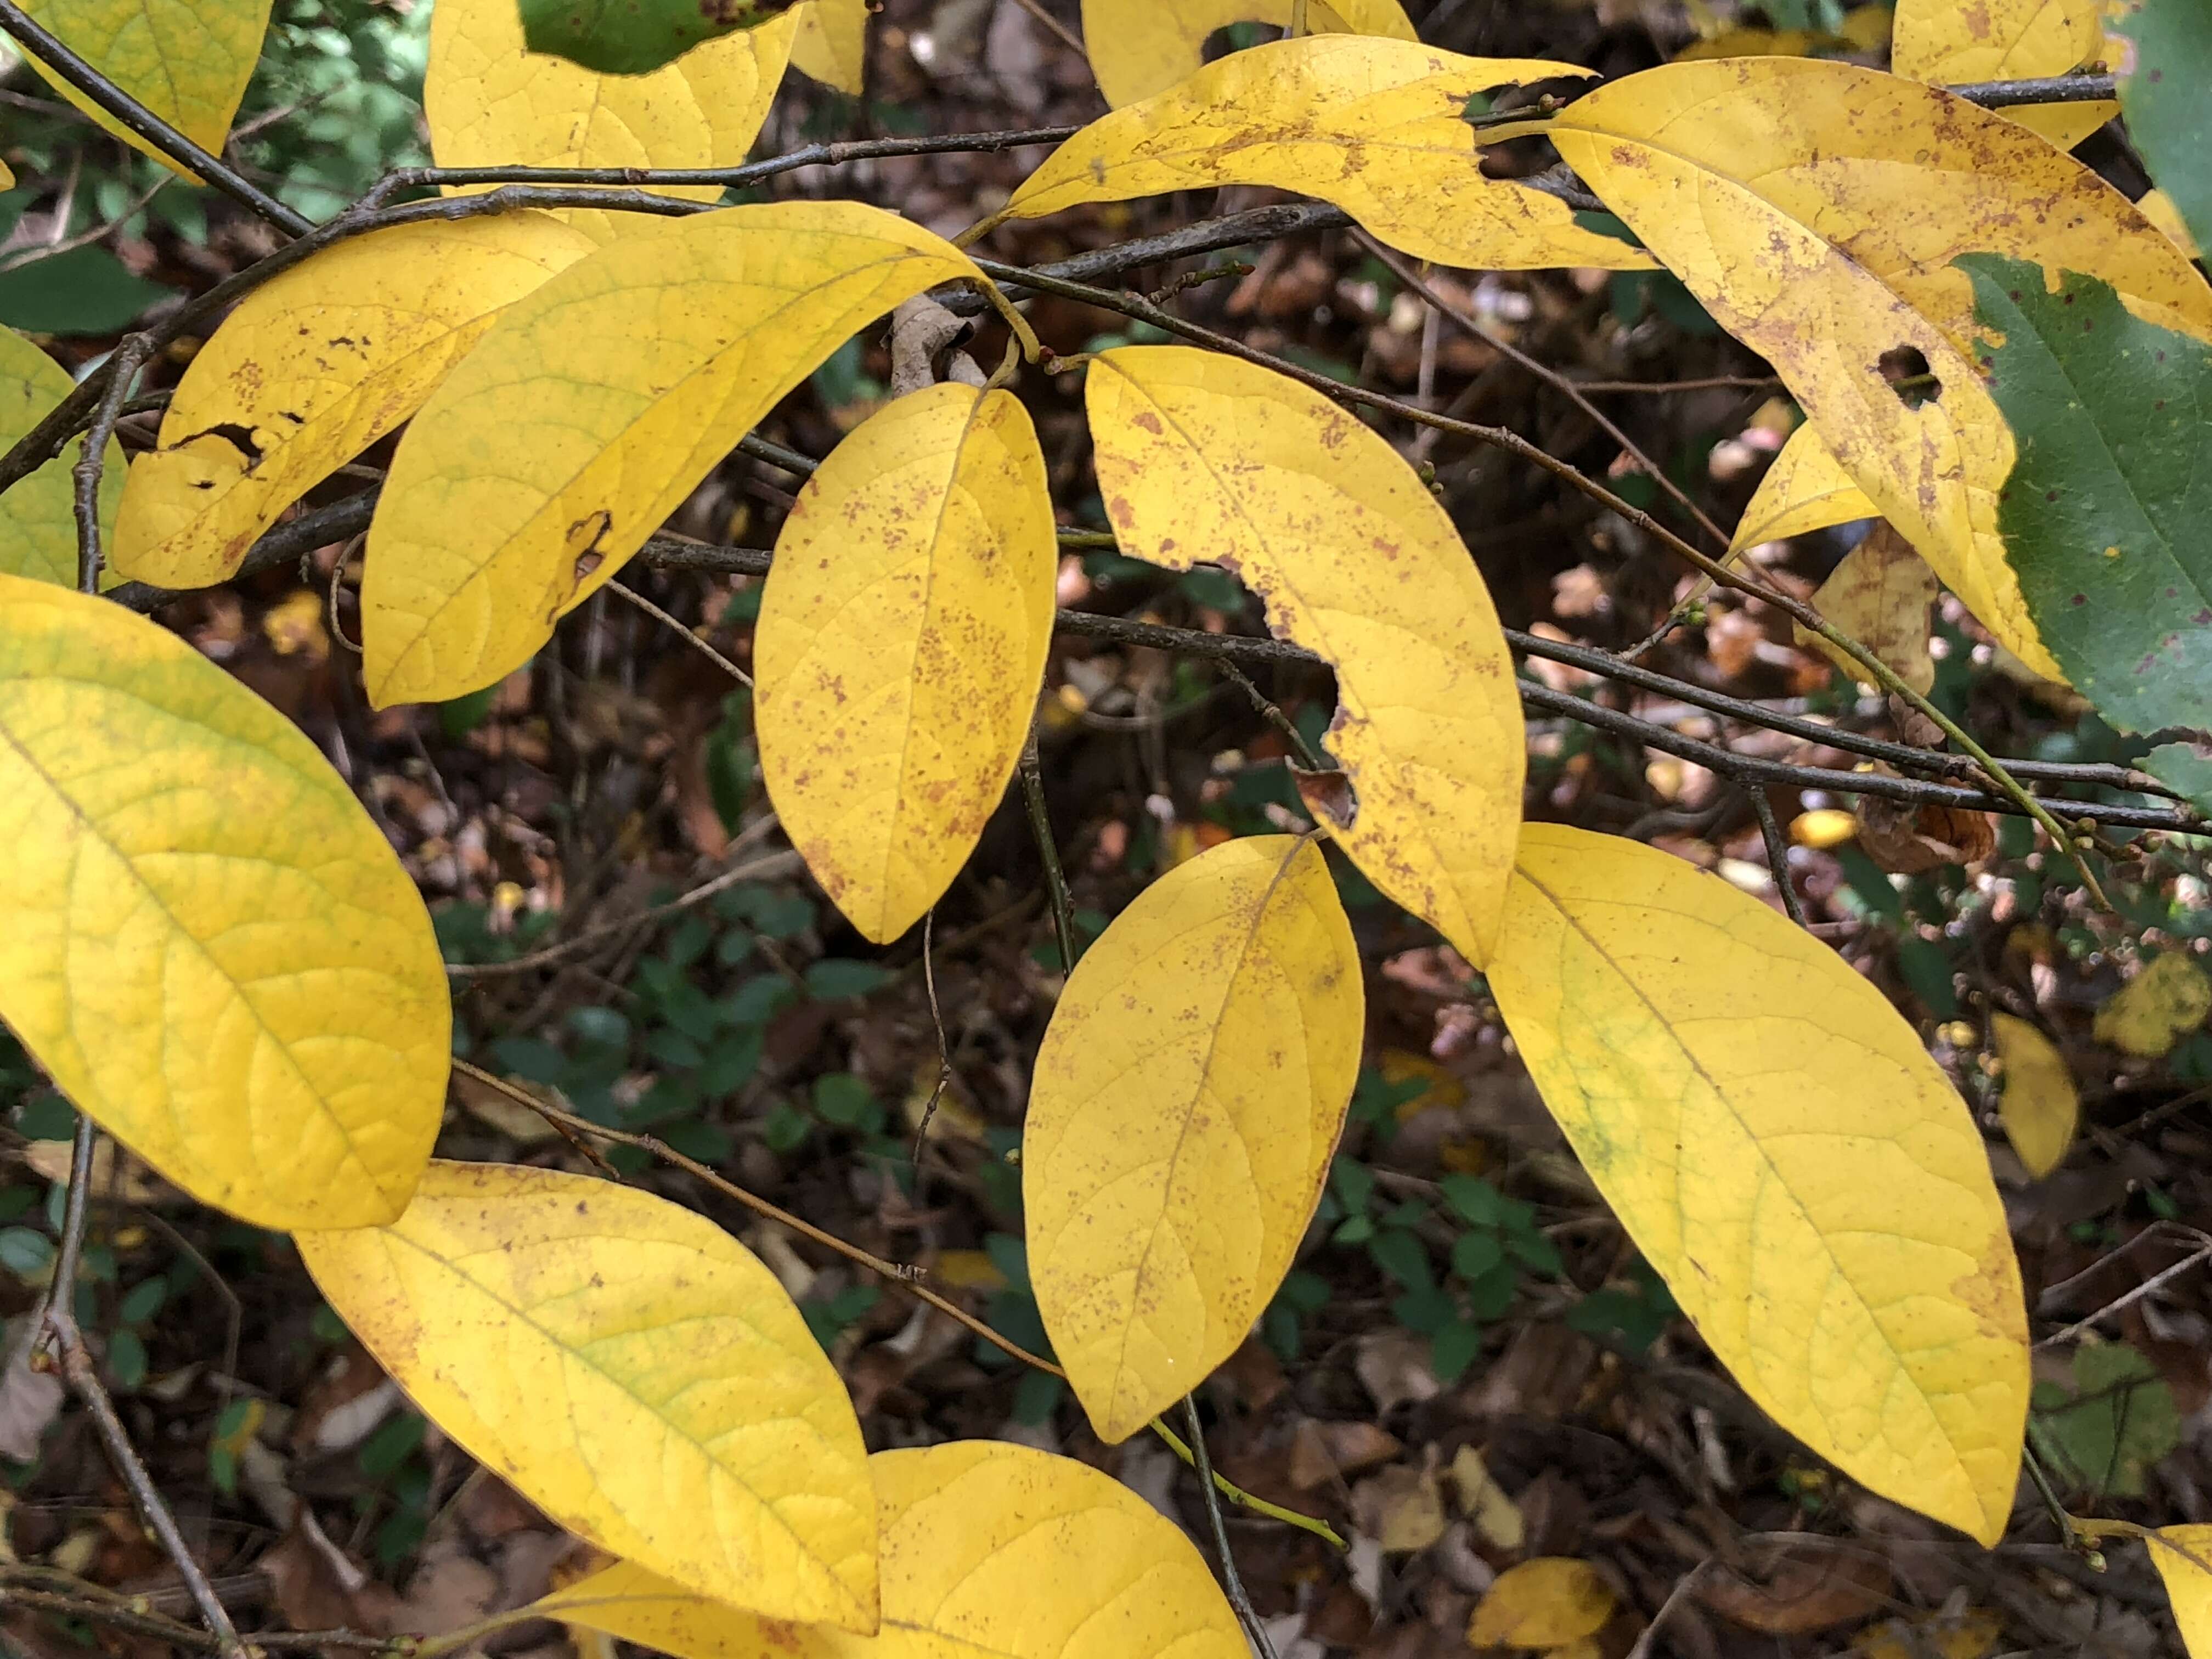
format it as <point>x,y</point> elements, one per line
<point>1186,1103</point>
<point>1756,43</point>
<point>591,409</point>
<point>1951,42</point>
<point>1880,595</point>
<point>2158,207</point>
<point>38,515</point>
<point>1140,47</point>
<point>210,947</point>
<point>1815,207</point>
<point>2183,1556</point>
<point>1378,127</point>
<point>490,103</point>
<point>1804,490</point>
<point>187,61</point>
<point>312,369</point>
<point>1786,1157</point>
<point>629,1367</point>
<point>2039,1105</point>
<point>1497,1518</point>
<point>1965,1635</point>
<point>988,1549</point>
<point>900,647</point>
<point>1823,826</point>
<point>831,46</point>
<point>2157,1008</point>
<point>1544,1603</point>
<point>1202,457</point>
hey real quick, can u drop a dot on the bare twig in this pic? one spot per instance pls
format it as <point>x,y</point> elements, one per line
<point>1055,880</point>
<point>690,636</point>
<point>1246,1613</point>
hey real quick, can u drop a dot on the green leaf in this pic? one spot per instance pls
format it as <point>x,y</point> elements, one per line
<point>87,290</point>
<point>2184,767</point>
<point>2168,115</point>
<point>2101,1434</point>
<point>2103,515</point>
<point>634,37</point>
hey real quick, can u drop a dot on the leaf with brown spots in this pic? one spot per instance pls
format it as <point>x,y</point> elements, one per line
<point>1378,127</point>
<point>1203,458</point>
<point>1880,595</point>
<point>597,404</point>
<point>1786,1157</point>
<point>1816,209</point>
<point>1186,1103</point>
<point>901,645</point>
<point>310,371</point>
<point>1804,490</point>
<point>630,1369</point>
<point>1951,42</point>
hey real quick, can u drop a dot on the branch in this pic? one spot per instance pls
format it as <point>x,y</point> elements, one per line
<point>41,44</point>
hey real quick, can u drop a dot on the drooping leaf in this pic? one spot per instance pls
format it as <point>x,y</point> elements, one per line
<point>2039,1105</point>
<point>1880,595</point>
<point>831,46</point>
<point>2153,1011</point>
<point>1815,208</point>
<point>900,647</point>
<point>1186,1104</point>
<point>211,948</point>
<point>636,37</point>
<point>591,409</point>
<point>2162,91</point>
<point>632,1370</point>
<point>2183,1556</point>
<point>1378,127</point>
<point>1804,490</point>
<point>1544,1603</point>
<point>38,515</point>
<point>1786,1155</point>
<point>1201,457</point>
<point>1140,47</point>
<point>988,1549</point>
<point>187,61</point>
<point>2103,512</point>
<point>1949,43</point>
<point>490,102</point>
<point>313,368</point>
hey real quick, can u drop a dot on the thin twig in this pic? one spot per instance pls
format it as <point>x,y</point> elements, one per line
<point>689,636</point>
<point>1055,880</point>
<point>943,1056</point>
<point>1246,1612</point>
<point>1674,1598</point>
<point>2164,1275</point>
<point>1777,853</point>
<point>1058,29</point>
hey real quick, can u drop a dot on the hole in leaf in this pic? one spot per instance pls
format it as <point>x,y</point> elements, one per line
<point>1905,367</point>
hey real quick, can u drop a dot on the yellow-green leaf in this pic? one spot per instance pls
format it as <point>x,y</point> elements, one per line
<point>1186,1104</point>
<point>1880,595</point>
<point>900,647</point>
<point>490,103</point>
<point>312,369</point>
<point>210,947</point>
<point>187,61</point>
<point>2038,1103</point>
<point>2183,1556</point>
<point>2157,1008</point>
<point>38,515</point>
<point>1140,47</point>
<point>629,1367</point>
<point>1951,42</point>
<point>594,407</point>
<point>1815,207</point>
<point>1378,127</point>
<point>1201,457</point>
<point>831,46</point>
<point>1804,490</point>
<point>1544,1603</point>
<point>1785,1154</point>
<point>990,1551</point>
